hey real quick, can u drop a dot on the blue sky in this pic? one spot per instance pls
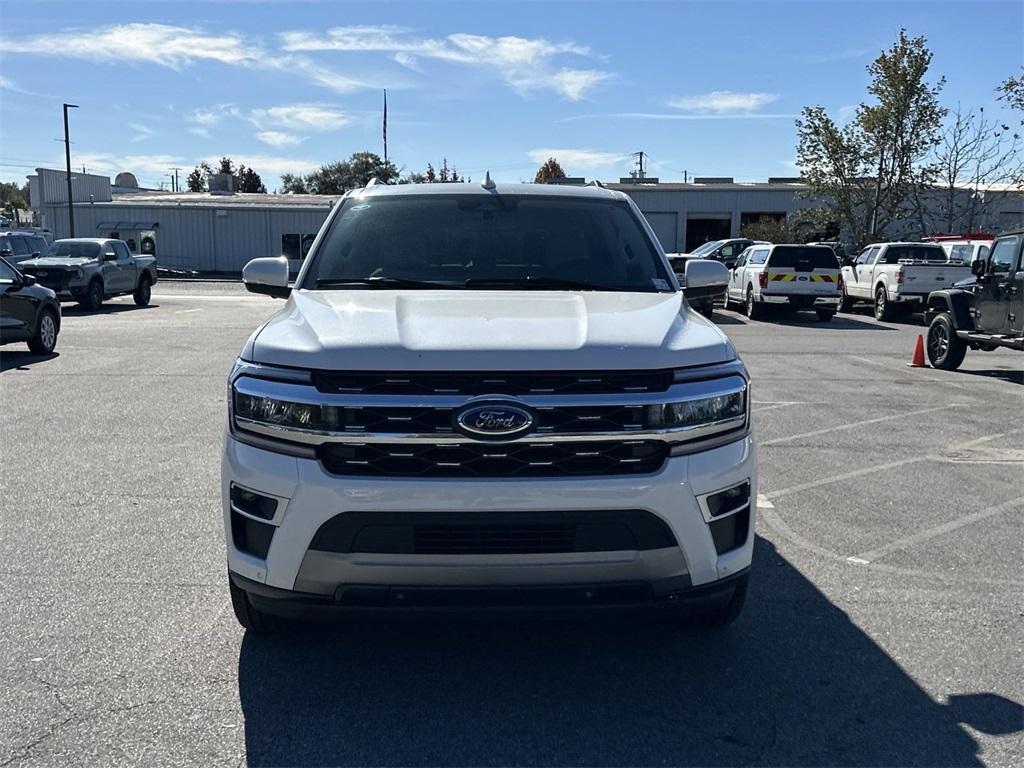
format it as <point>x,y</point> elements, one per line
<point>710,88</point>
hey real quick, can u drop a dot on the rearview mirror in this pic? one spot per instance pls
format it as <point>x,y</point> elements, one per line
<point>268,276</point>
<point>703,278</point>
<point>979,267</point>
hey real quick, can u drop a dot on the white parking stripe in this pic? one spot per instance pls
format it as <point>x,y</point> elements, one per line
<point>845,476</point>
<point>939,530</point>
<point>854,425</point>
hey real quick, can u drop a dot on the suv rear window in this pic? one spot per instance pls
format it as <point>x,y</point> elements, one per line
<point>803,258</point>
<point>894,253</point>
<point>491,241</point>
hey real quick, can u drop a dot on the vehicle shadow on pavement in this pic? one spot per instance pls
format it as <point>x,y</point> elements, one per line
<point>1011,376</point>
<point>75,310</point>
<point>793,682</point>
<point>19,359</point>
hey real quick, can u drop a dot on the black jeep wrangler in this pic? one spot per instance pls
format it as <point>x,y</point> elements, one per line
<point>981,313</point>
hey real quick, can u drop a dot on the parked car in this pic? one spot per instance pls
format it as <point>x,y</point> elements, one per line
<point>486,395</point>
<point>795,276</point>
<point>89,270</point>
<point>966,251</point>
<point>705,305</point>
<point>725,251</point>
<point>898,276</point>
<point>986,315</point>
<point>29,312</point>
<point>16,246</point>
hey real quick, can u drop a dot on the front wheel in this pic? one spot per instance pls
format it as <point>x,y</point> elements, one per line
<point>45,338</point>
<point>825,315</point>
<point>753,309</point>
<point>142,292</point>
<point>883,308</point>
<point>844,302</point>
<point>946,350</point>
<point>249,616</point>
<point>93,298</point>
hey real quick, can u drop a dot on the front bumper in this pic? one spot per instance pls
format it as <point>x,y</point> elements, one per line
<point>308,497</point>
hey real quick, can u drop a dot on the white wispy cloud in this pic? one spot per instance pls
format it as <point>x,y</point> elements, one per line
<point>675,116</point>
<point>524,64</point>
<point>142,132</point>
<point>143,165</point>
<point>308,117</point>
<point>578,158</point>
<point>175,47</point>
<point>724,102</point>
<point>278,138</point>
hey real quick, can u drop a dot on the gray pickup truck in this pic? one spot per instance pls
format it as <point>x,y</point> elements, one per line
<point>88,270</point>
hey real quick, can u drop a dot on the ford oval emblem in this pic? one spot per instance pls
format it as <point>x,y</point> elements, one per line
<point>493,421</point>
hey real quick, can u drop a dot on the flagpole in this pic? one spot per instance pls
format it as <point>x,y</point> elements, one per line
<point>385,126</point>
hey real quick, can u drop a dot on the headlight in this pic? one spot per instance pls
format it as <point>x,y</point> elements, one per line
<point>696,413</point>
<point>281,413</point>
<point>77,274</point>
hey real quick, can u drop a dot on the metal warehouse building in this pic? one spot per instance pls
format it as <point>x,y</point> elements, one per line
<point>216,232</point>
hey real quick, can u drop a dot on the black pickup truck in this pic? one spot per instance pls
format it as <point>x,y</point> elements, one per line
<point>984,312</point>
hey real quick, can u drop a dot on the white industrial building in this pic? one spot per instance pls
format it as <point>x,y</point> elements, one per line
<point>220,232</point>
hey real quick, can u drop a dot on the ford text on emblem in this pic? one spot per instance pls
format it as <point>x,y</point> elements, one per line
<point>493,421</point>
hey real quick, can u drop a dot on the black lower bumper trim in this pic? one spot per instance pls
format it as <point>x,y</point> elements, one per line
<point>354,597</point>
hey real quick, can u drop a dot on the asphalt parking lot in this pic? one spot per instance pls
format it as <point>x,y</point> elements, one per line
<point>884,625</point>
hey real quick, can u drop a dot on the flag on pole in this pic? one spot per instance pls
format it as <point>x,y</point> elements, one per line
<point>385,125</point>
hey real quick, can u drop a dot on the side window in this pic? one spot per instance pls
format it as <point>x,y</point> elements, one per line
<point>7,273</point>
<point>121,250</point>
<point>742,259</point>
<point>726,251</point>
<point>866,255</point>
<point>19,246</point>
<point>1003,253</point>
<point>759,256</point>
<point>983,252</point>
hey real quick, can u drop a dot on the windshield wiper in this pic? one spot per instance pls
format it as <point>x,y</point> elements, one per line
<point>537,282</point>
<point>382,282</point>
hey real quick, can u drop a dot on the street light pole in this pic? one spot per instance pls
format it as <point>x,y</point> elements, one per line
<point>67,158</point>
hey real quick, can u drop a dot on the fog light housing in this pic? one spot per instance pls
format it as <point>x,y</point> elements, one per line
<point>252,503</point>
<point>728,501</point>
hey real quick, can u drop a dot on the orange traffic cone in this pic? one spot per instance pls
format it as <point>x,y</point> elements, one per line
<point>917,361</point>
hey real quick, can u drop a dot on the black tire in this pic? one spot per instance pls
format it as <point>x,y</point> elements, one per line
<point>142,292</point>
<point>725,300</point>
<point>945,349</point>
<point>884,310</point>
<point>825,315</point>
<point>250,617</point>
<point>845,305</point>
<point>45,337</point>
<point>707,311</point>
<point>93,298</point>
<point>753,311</point>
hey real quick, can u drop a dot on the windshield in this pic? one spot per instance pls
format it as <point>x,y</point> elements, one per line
<point>482,242</point>
<point>706,248</point>
<point>74,250</point>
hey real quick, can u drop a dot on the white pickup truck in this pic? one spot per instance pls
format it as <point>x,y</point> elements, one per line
<point>898,276</point>
<point>486,395</point>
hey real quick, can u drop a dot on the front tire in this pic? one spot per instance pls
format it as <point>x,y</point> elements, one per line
<point>753,310</point>
<point>825,315</point>
<point>142,292</point>
<point>844,302</point>
<point>93,298</point>
<point>249,616</point>
<point>45,338</point>
<point>945,349</point>
<point>883,307</point>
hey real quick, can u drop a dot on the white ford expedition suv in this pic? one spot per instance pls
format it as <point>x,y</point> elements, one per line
<point>486,395</point>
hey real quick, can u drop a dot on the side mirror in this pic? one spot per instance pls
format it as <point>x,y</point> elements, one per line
<point>704,278</point>
<point>110,256</point>
<point>6,253</point>
<point>979,267</point>
<point>35,254</point>
<point>28,280</point>
<point>268,276</point>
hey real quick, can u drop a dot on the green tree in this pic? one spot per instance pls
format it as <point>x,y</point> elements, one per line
<point>868,169</point>
<point>550,171</point>
<point>247,180</point>
<point>1011,91</point>
<point>196,180</point>
<point>339,177</point>
<point>13,197</point>
<point>226,166</point>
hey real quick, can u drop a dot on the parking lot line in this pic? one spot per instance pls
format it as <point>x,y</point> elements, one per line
<point>855,424</point>
<point>939,530</point>
<point>845,476</point>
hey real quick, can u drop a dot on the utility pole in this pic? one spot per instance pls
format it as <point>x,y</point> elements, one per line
<point>639,164</point>
<point>175,186</point>
<point>67,159</point>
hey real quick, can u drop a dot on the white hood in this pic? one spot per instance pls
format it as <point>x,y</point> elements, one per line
<point>376,330</point>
